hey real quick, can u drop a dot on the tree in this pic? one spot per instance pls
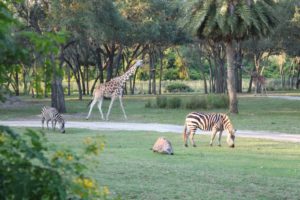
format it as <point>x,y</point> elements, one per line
<point>230,21</point>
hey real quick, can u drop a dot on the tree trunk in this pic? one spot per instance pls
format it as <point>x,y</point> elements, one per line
<point>205,83</point>
<point>87,80</point>
<point>110,65</point>
<point>150,74</point>
<point>298,78</point>
<point>17,83</point>
<point>233,102</point>
<point>57,92</point>
<point>153,75</point>
<point>26,92</point>
<point>238,63</point>
<point>211,78</point>
<point>69,81</point>
<point>160,69</point>
<point>99,64</point>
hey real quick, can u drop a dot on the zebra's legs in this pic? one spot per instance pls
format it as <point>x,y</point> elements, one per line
<point>110,106</point>
<point>213,135</point>
<point>220,137</point>
<point>100,108</point>
<point>48,123</point>
<point>185,135</point>
<point>53,126</point>
<point>43,120</point>
<point>91,108</point>
<point>122,107</point>
<point>192,133</point>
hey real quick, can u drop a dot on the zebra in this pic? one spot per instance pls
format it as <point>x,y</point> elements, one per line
<point>215,122</point>
<point>51,114</point>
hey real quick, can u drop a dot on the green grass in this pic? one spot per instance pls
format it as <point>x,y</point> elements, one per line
<point>255,169</point>
<point>255,113</point>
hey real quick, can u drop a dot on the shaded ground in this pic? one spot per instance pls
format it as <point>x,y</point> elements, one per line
<point>152,127</point>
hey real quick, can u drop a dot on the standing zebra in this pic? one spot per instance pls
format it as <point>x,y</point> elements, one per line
<point>51,114</point>
<point>208,122</point>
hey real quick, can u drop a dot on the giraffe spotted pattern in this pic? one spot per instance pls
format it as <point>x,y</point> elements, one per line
<point>113,89</point>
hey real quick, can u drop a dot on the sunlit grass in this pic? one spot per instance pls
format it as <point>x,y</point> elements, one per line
<point>255,169</point>
<point>255,113</point>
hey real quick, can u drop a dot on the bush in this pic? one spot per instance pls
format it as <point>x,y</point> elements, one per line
<point>196,102</point>
<point>210,101</point>
<point>217,101</point>
<point>174,102</point>
<point>178,87</point>
<point>29,169</point>
<point>161,101</point>
<point>148,104</point>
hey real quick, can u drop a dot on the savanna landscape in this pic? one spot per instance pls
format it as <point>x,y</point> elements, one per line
<point>140,67</point>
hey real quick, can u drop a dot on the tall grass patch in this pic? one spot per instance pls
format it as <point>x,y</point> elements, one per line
<point>178,87</point>
<point>193,102</point>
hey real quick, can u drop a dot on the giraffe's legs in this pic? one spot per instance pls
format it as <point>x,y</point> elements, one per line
<point>110,106</point>
<point>122,107</point>
<point>100,108</point>
<point>91,108</point>
<point>264,89</point>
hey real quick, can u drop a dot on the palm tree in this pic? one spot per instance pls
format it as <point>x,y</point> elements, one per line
<point>229,21</point>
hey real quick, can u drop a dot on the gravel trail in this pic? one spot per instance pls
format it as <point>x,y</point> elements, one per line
<point>153,127</point>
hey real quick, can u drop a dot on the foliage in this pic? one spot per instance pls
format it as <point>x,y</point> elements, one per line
<point>161,101</point>
<point>212,101</point>
<point>31,169</point>
<point>196,102</point>
<point>178,87</point>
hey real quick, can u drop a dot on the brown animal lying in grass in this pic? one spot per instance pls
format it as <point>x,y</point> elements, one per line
<point>162,145</point>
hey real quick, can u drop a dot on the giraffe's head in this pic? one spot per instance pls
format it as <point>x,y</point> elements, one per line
<point>139,63</point>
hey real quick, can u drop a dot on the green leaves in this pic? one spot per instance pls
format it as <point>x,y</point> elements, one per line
<point>232,19</point>
<point>29,169</point>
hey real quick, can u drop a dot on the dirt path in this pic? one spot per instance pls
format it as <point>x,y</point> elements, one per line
<point>152,127</point>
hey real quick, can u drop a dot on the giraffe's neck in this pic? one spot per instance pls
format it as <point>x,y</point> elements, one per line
<point>127,74</point>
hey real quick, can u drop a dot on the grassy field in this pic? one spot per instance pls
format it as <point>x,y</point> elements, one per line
<point>255,169</point>
<point>256,113</point>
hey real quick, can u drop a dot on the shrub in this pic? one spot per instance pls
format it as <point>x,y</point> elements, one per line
<point>174,102</point>
<point>178,87</point>
<point>210,101</point>
<point>217,101</point>
<point>196,102</point>
<point>171,74</point>
<point>29,169</point>
<point>148,104</point>
<point>161,101</point>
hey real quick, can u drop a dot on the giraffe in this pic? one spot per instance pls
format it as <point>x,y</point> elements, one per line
<point>259,81</point>
<point>113,89</point>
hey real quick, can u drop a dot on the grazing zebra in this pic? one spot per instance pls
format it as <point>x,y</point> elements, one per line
<point>51,114</point>
<point>208,122</point>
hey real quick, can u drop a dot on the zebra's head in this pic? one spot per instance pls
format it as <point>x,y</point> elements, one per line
<point>62,126</point>
<point>231,137</point>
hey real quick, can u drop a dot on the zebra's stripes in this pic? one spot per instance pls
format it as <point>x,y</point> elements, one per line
<point>215,122</point>
<point>51,114</point>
